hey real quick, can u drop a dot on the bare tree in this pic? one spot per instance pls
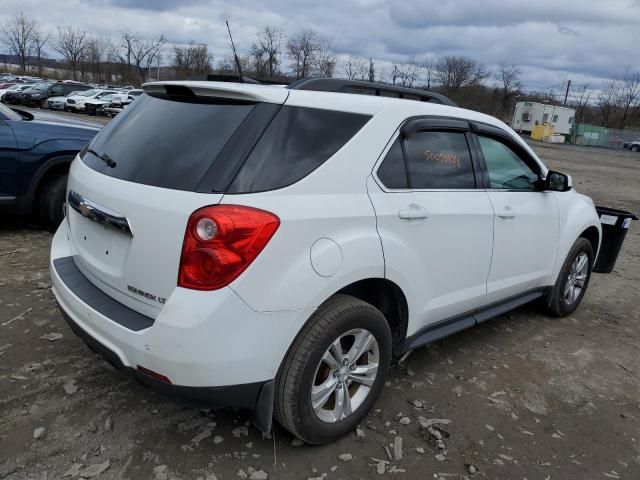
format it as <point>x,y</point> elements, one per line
<point>453,73</point>
<point>325,59</point>
<point>607,102</point>
<point>509,76</point>
<point>38,40</point>
<point>629,93</point>
<point>354,67</point>
<point>71,44</point>
<point>137,52</point>
<point>310,54</point>
<point>17,35</point>
<point>406,74</point>
<point>582,100</point>
<point>95,57</point>
<point>267,50</point>
<point>429,67</point>
<point>191,60</point>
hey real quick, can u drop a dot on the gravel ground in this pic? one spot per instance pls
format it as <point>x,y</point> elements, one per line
<point>523,396</point>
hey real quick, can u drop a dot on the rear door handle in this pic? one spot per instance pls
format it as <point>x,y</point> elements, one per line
<point>413,212</point>
<point>507,212</point>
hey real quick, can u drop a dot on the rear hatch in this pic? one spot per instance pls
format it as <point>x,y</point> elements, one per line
<point>133,189</point>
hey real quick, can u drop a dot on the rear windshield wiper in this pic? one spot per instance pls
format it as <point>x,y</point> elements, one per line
<point>104,157</point>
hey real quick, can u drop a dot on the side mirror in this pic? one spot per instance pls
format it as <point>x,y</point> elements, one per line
<point>557,182</point>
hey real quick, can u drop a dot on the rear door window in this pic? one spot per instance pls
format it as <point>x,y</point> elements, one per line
<point>165,143</point>
<point>392,172</point>
<point>439,160</point>
<point>297,141</point>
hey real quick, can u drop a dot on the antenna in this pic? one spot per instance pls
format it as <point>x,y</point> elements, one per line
<point>235,55</point>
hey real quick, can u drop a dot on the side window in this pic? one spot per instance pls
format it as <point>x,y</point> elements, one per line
<point>56,90</point>
<point>297,141</point>
<point>506,169</point>
<point>392,172</point>
<point>439,160</point>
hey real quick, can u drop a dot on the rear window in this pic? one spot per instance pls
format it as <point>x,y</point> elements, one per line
<point>165,143</point>
<point>297,141</point>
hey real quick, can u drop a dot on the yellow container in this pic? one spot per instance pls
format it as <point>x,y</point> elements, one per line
<point>540,132</point>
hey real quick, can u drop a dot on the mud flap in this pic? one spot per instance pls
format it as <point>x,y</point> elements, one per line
<point>263,413</point>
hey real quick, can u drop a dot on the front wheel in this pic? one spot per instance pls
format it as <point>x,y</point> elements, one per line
<point>43,104</point>
<point>51,202</point>
<point>334,371</point>
<point>635,148</point>
<point>573,279</point>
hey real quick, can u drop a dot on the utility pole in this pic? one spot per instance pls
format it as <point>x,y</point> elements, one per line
<point>566,94</point>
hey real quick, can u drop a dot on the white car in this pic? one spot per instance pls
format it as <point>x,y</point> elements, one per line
<point>272,248</point>
<point>59,103</point>
<point>95,106</point>
<point>76,103</point>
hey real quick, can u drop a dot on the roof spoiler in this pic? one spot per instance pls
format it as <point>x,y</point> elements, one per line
<point>215,92</point>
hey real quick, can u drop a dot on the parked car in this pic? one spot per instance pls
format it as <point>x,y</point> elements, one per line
<point>272,248</point>
<point>96,106</point>
<point>4,87</point>
<point>38,95</point>
<point>59,103</point>
<point>12,95</point>
<point>76,103</point>
<point>634,145</point>
<point>36,153</point>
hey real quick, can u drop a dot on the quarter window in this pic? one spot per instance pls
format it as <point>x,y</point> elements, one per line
<point>392,172</point>
<point>439,160</point>
<point>506,169</point>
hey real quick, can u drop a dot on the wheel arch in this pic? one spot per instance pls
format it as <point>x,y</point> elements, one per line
<point>57,163</point>
<point>387,297</point>
<point>593,235</point>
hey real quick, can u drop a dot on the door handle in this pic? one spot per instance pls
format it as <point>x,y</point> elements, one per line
<point>413,212</point>
<point>507,212</point>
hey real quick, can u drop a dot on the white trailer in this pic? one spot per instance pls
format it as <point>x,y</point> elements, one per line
<point>529,114</point>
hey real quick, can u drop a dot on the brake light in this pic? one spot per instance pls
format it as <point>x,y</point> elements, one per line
<point>220,242</point>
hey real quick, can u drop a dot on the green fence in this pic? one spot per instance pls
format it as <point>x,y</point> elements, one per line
<point>595,136</point>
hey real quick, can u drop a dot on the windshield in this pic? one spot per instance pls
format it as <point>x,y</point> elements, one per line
<point>15,87</point>
<point>42,86</point>
<point>88,93</point>
<point>8,113</point>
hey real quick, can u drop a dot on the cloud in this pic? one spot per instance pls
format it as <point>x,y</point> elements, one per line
<point>587,41</point>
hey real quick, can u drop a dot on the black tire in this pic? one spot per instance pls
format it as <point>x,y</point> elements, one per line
<point>43,104</point>
<point>293,408</point>
<point>635,148</point>
<point>557,304</point>
<point>51,200</point>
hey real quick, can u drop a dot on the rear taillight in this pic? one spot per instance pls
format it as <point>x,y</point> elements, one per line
<point>220,242</point>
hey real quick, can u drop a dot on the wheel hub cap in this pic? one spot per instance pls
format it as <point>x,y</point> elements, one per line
<point>576,278</point>
<point>345,375</point>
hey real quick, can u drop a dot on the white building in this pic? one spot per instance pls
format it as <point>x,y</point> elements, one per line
<point>529,114</point>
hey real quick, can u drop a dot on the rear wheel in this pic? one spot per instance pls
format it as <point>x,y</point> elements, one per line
<point>635,148</point>
<point>51,201</point>
<point>334,370</point>
<point>573,279</point>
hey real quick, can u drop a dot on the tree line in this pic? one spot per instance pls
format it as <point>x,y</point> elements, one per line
<point>274,55</point>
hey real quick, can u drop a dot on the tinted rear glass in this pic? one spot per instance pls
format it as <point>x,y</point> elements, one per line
<point>165,143</point>
<point>297,141</point>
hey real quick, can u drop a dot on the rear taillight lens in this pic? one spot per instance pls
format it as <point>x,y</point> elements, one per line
<point>220,242</point>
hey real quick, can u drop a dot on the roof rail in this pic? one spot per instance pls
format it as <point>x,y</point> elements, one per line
<point>369,88</point>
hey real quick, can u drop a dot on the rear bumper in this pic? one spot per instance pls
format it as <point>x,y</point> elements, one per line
<point>211,346</point>
<point>257,396</point>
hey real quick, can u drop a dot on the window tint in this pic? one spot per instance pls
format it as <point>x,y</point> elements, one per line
<point>165,143</point>
<point>506,169</point>
<point>297,141</point>
<point>439,160</point>
<point>392,172</point>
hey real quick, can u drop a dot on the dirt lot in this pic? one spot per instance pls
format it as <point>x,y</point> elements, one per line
<point>527,396</point>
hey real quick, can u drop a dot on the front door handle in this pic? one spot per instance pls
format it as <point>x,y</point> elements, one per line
<point>413,212</point>
<point>507,212</point>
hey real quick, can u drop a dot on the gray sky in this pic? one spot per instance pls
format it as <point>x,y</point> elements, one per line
<point>586,41</point>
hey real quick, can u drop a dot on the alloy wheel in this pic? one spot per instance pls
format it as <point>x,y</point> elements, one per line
<point>576,279</point>
<point>345,375</point>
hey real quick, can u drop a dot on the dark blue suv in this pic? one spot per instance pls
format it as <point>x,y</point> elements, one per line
<point>35,154</point>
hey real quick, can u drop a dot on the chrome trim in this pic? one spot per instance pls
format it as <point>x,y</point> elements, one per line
<point>98,213</point>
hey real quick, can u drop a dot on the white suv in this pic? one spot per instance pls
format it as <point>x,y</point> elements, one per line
<point>272,248</point>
